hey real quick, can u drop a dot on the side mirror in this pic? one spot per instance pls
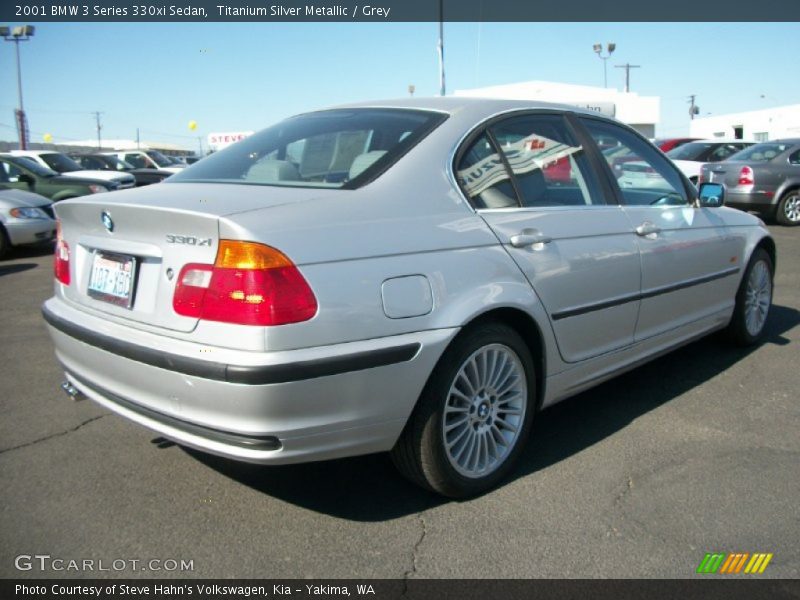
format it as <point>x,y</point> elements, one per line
<point>25,178</point>
<point>711,195</point>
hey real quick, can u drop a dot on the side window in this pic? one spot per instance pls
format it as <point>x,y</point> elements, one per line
<point>12,172</point>
<point>794,158</point>
<point>484,178</point>
<point>549,166</point>
<point>644,175</point>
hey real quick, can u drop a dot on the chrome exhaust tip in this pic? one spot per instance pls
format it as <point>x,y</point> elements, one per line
<point>71,391</point>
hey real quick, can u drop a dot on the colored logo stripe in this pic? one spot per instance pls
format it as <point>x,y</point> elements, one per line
<point>758,563</point>
<point>719,562</point>
<point>711,563</point>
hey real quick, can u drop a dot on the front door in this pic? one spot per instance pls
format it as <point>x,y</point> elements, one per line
<point>689,258</point>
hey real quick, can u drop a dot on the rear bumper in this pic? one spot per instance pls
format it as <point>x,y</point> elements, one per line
<point>750,200</point>
<point>269,407</point>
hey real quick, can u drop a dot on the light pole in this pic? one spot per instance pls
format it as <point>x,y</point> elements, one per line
<point>598,48</point>
<point>21,33</point>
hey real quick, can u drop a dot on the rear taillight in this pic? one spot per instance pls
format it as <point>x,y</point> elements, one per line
<point>249,284</point>
<point>700,177</point>
<point>746,176</point>
<point>61,262</point>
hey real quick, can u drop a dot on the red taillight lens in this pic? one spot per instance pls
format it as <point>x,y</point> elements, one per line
<point>61,262</point>
<point>249,284</point>
<point>746,176</point>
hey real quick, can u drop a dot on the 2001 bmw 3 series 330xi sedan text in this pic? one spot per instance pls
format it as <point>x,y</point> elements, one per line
<point>419,276</point>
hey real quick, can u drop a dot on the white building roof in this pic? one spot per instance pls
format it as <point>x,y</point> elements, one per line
<point>629,107</point>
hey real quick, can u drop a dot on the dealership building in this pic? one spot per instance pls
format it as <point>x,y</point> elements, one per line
<point>756,125</point>
<point>640,112</point>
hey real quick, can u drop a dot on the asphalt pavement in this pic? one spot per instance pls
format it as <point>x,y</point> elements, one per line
<point>698,451</point>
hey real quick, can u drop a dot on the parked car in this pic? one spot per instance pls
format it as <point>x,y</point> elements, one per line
<point>763,178</point>
<point>23,173</point>
<point>147,159</point>
<point>667,144</point>
<point>105,162</point>
<point>690,157</point>
<point>63,164</point>
<point>25,219</point>
<point>395,276</point>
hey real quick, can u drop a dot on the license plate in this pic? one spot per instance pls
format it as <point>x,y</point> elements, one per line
<point>112,278</point>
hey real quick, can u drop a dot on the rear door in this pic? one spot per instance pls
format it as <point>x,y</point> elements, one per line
<point>689,258</point>
<point>534,185</point>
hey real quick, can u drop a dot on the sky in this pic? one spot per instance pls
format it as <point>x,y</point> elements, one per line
<point>246,76</point>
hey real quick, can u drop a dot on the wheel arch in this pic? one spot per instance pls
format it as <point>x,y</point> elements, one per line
<point>789,185</point>
<point>768,244</point>
<point>527,327</point>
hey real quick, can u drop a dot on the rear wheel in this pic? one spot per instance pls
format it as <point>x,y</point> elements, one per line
<point>788,212</point>
<point>753,300</point>
<point>473,416</point>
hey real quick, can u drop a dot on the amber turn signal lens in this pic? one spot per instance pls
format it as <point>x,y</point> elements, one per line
<point>249,255</point>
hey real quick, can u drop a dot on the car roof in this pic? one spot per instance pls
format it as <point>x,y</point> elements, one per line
<point>456,104</point>
<point>721,141</point>
<point>33,152</point>
<point>782,141</point>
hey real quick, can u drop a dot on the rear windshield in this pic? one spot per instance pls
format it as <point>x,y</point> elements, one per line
<point>761,152</point>
<point>60,163</point>
<point>158,158</point>
<point>342,148</point>
<point>690,151</point>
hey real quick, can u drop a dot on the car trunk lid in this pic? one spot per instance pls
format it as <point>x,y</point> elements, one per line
<point>127,248</point>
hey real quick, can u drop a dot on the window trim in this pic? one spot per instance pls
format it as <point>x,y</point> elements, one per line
<point>484,128</point>
<point>688,188</point>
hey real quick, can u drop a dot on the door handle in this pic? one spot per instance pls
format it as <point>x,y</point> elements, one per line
<point>647,228</point>
<point>529,237</point>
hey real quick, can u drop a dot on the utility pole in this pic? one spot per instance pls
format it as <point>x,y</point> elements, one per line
<point>97,114</point>
<point>628,67</point>
<point>441,48</point>
<point>693,108</point>
<point>137,138</point>
<point>22,33</point>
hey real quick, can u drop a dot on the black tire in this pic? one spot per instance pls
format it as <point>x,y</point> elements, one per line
<point>788,211</point>
<point>5,244</point>
<point>738,331</point>
<point>421,455</point>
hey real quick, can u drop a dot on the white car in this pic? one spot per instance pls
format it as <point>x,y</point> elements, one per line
<point>25,219</point>
<point>690,157</point>
<point>64,165</point>
<point>147,159</point>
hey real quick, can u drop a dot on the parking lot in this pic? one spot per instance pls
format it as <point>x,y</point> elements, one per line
<point>696,452</point>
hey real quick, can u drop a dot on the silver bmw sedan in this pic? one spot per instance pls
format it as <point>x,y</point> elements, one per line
<point>420,276</point>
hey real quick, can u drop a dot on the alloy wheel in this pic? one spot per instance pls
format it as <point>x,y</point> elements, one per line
<point>485,410</point>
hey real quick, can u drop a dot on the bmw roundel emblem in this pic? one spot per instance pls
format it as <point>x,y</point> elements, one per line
<point>107,222</point>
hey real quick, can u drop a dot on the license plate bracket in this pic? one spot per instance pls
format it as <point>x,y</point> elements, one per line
<point>112,278</point>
